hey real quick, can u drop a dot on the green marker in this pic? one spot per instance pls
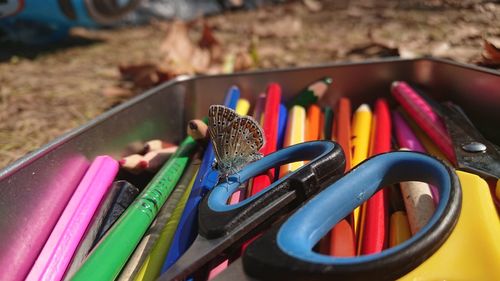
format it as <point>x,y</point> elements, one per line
<point>110,255</point>
<point>311,94</point>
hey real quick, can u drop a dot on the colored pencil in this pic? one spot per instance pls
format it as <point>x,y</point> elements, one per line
<point>424,116</point>
<point>270,127</point>
<point>374,220</point>
<point>311,94</point>
<point>360,143</point>
<point>110,255</point>
<point>56,255</point>
<point>295,133</point>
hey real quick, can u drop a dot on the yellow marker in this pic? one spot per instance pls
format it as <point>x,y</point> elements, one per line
<point>360,143</point>
<point>295,133</point>
<point>151,268</point>
<point>242,107</point>
<point>399,229</point>
<point>472,251</point>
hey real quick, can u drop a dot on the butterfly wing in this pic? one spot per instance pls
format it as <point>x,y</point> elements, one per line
<point>219,118</point>
<point>246,138</point>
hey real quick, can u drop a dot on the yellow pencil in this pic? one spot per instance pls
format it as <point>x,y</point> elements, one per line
<point>295,133</point>
<point>360,143</point>
<point>151,268</point>
<point>242,107</point>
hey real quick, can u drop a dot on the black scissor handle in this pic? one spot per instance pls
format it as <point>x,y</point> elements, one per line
<point>327,163</point>
<point>285,252</point>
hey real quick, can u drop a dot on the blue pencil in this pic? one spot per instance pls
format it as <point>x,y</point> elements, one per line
<point>206,179</point>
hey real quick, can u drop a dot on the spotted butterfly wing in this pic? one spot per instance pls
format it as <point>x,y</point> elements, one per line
<point>236,139</point>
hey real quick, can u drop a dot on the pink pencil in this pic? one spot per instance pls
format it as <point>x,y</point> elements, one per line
<point>424,116</point>
<point>56,255</point>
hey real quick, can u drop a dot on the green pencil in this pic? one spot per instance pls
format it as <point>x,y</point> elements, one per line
<point>311,94</point>
<point>111,254</point>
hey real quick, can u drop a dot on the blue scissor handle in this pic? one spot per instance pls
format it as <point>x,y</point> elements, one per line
<point>285,253</point>
<point>327,163</point>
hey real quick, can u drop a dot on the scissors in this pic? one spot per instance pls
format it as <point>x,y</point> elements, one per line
<point>285,252</point>
<point>223,228</point>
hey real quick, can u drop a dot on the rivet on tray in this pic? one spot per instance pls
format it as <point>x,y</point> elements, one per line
<point>474,147</point>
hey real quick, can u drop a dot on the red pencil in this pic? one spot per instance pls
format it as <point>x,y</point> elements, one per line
<point>375,215</point>
<point>270,126</point>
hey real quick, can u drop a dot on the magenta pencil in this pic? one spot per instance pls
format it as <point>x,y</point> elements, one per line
<point>57,252</point>
<point>407,139</point>
<point>424,116</point>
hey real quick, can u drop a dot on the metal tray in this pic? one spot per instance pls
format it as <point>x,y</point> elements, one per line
<point>35,189</point>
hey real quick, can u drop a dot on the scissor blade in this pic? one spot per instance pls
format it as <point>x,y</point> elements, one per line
<point>474,153</point>
<point>235,271</point>
<point>204,251</point>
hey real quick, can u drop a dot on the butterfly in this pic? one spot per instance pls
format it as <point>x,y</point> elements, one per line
<point>236,139</point>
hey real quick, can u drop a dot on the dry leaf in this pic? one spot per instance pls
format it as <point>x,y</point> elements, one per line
<point>117,92</point>
<point>491,54</point>
<point>142,75</point>
<point>313,5</point>
<point>181,55</point>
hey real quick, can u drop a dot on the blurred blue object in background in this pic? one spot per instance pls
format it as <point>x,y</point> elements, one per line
<point>46,21</point>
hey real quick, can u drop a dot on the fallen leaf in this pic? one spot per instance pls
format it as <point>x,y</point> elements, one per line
<point>117,92</point>
<point>142,75</point>
<point>491,54</point>
<point>313,5</point>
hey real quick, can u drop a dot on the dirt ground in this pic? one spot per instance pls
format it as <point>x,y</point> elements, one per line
<point>45,92</point>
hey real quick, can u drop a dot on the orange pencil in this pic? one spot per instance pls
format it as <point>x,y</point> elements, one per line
<point>341,240</point>
<point>313,129</point>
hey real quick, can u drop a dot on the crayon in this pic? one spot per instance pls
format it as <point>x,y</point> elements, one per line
<point>295,133</point>
<point>407,139</point>
<point>340,242</point>
<point>360,143</point>
<point>57,252</point>
<point>156,145</point>
<point>206,179</point>
<point>151,267</point>
<point>150,239</point>
<point>313,122</point>
<point>399,228</point>
<point>311,94</point>
<point>156,158</point>
<point>197,129</point>
<point>270,127</point>
<point>110,255</point>
<point>374,216</point>
<point>420,111</point>
<point>327,123</point>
